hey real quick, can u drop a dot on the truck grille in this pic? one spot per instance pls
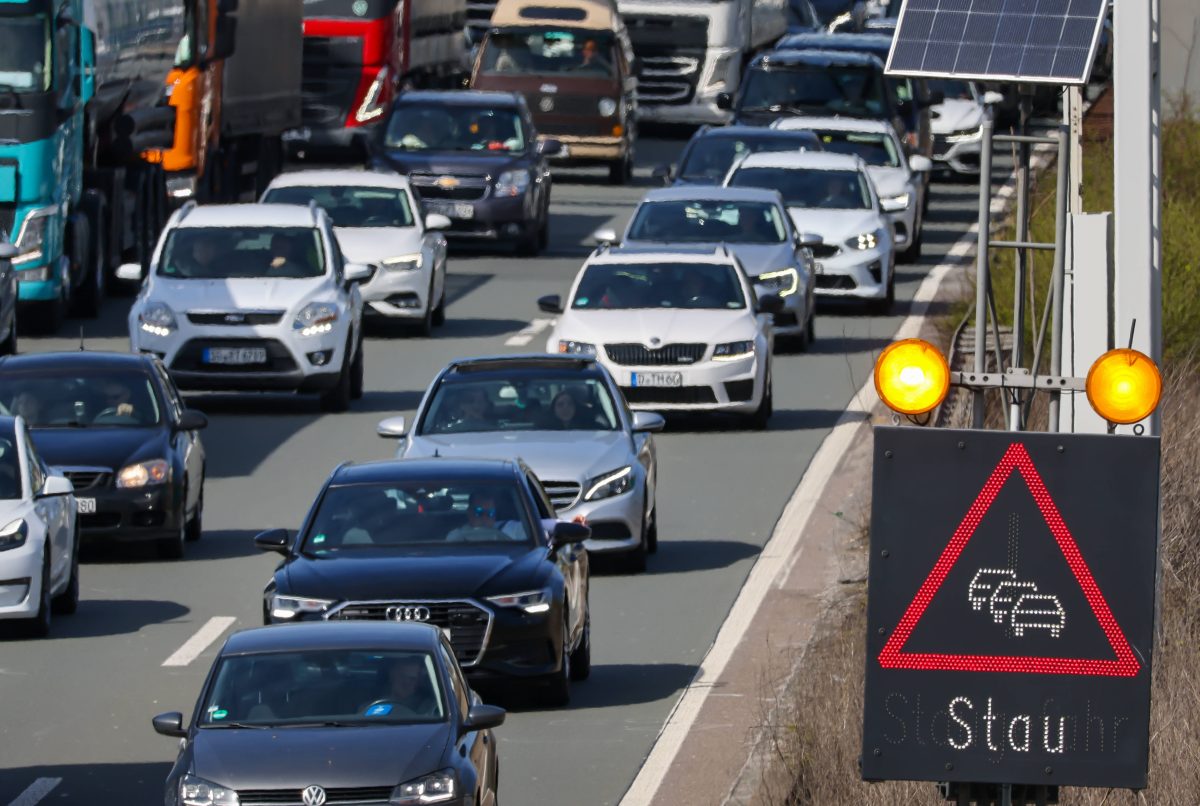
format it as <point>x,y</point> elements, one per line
<point>671,50</point>
<point>234,318</point>
<point>637,355</point>
<point>469,188</point>
<point>87,478</point>
<point>563,494</point>
<point>469,624</point>
<point>331,74</point>
<point>479,17</point>
<point>357,796</point>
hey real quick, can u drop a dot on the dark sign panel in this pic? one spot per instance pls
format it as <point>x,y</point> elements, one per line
<point>1010,607</point>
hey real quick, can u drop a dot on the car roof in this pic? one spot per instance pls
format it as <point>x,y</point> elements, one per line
<point>599,15</point>
<point>246,215</point>
<point>832,124</point>
<point>871,43</point>
<point>68,360</point>
<point>532,361</point>
<point>712,192</point>
<point>717,257</point>
<point>807,160</point>
<point>458,97</point>
<point>339,177</point>
<point>743,130</point>
<point>817,58</point>
<point>316,635</point>
<point>390,471</point>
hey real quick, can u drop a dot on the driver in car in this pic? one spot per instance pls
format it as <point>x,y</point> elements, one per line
<point>482,524</point>
<point>117,399</point>
<point>410,692</point>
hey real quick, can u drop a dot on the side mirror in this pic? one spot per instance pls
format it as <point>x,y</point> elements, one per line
<point>191,420</point>
<point>483,717</point>
<point>663,173</point>
<point>809,240</point>
<point>724,101</point>
<point>549,147</point>
<point>569,532</point>
<point>170,725</point>
<point>437,221</point>
<point>770,303</point>
<point>130,272</point>
<point>645,422</point>
<point>358,272</point>
<point>277,540</point>
<point>392,428</point>
<point>8,251</point>
<point>920,163</point>
<point>551,303</point>
<point>56,484</point>
<point>991,98</point>
<point>605,235</point>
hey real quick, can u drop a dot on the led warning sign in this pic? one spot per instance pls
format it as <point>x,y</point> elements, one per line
<point>1010,607</point>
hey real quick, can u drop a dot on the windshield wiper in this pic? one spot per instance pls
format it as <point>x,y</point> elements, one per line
<point>327,723</point>
<point>246,725</point>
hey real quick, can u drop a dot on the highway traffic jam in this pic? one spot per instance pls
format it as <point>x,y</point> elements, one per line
<point>249,266</point>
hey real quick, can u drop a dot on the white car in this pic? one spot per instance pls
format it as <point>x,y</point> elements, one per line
<point>678,330</point>
<point>253,297</point>
<point>377,222</point>
<point>832,195</point>
<point>901,181</point>
<point>957,123</point>
<point>39,538</point>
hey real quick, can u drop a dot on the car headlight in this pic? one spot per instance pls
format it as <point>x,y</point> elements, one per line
<point>143,474</point>
<point>731,350</point>
<point>316,318</point>
<point>608,107</point>
<point>157,319</point>
<point>33,235</point>
<point>579,347</point>
<point>512,183</point>
<point>286,607</point>
<point>783,282</point>
<point>195,791</point>
<point>894,204</point>
<point>438,787</point>
<point>606,485</point>
<point>530,601</point>
<point>14,534</point>
<point>403,262</point>
<point>965,135</point>
<point>867,240</point>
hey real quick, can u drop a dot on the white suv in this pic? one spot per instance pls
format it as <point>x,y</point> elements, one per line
<point>255,297</point>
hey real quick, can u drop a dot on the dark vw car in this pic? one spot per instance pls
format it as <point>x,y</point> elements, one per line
<point>365,714</point>
<point>712,151</point>
<point>470,546</point>
<point>117,427</point>
<point>474,157</point>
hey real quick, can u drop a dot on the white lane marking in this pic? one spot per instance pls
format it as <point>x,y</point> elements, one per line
<point>39,789</point>
<point>204,636</point>
<point>528,333</point>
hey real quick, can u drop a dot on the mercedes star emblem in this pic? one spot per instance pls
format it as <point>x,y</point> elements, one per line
<point>313,796</point>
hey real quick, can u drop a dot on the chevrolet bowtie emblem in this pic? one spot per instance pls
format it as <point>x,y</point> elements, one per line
<point>448,182</point>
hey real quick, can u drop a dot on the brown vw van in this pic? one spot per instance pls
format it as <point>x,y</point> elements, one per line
<point>573,62</point>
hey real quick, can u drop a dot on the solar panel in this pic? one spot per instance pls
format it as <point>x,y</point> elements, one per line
<point>1047,41</point>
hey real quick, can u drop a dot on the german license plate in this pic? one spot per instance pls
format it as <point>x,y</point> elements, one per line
<point>85,506</point>
<point>301,135</point>
<point>235,355</point>
<point>668,379</point>
<point>464,211</point>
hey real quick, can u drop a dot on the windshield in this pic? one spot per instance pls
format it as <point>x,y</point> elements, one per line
<point>550,402</point>
<point>836,190</point>
<point>454,127</point>
<point>351,206</point>
<point>801,14</point>
<point>952,88</point>
<point>332,687</point>
<point>835,90</point>
<point>25,53</point>
<point>874,148</point>
<point>79,399</point>
<point>222,253</point>
<point>10,470</point>
<point>710,158</point>
<point>549,51</point>
<point>708,221</point>
<point>416,515</point>
<point>617,286</point>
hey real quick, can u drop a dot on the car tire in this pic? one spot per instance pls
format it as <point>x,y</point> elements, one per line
<point>544,232</point>
<point>762,415</point>
<point>171,547</point>
<point>9,345</point>
<point>529,243</point>
<point>913,253</point>
<point>425,326</point>
<point>88,301</point>
<point>810,330</point>
<point>634,560</point>
<point>337,399</point>
<point>882,307</point>
<point>557,691</point>
<point>67,602</point>
<point>195,525</point>
<point>357,373</point>
<point>581,658</point>
<point>39,625</point>
<point>652,533</point>
<point>439,313</point>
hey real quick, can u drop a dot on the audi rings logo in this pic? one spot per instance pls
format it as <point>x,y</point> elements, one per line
<point>313,796</point>
<point>408,613</point>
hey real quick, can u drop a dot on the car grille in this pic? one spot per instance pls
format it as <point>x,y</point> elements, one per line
<point>190,357</point>
<point>87,478</point>
<point>839,282</point>
<point>331,73</point>
<point>357,796</point>
<point>469,624</point>
<point>825,250</point>
<point>469,188</point>
<point>682,395</point>
<point>637,355</point>
<point>563,494</point>
<point>234,317</point>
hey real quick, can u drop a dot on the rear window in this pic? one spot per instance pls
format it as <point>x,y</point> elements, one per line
<point>553,13</point>
<point>710,158</point>
<point>826,190</point>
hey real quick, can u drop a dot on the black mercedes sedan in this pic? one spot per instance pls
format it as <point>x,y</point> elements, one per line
<point>470,546</point>
<point>114,423</point>
<point>370,714</point>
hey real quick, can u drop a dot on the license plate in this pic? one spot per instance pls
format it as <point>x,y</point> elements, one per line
<point>235,355</point>
<point>87,506</point>
<point>669,379</point>
<point>296,135</point>
<point>465,211</point>
<point>818,267</point>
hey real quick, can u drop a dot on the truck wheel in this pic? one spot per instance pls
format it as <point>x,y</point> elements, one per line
<point>88,301</point>
<point>621,171</point>
<point>9,345</point>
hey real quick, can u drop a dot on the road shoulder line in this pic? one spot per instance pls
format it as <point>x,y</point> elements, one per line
<point>200,641</point>
<point>35,792</point>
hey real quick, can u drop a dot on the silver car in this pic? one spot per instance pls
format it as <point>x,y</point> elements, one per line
<point>566,418</point>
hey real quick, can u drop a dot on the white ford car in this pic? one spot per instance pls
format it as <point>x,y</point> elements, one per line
<point>253,297</point>
<point>678,330</point>
<point>378,223</point>
<point>39,538</point>
<point>832,195</point>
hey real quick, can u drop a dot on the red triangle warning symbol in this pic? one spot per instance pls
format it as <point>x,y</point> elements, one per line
<point>893,656</point>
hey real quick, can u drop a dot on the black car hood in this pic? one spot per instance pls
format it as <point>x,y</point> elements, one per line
<point>451,162</point>
<point>99,447</point>
<point>364,574</point>
<point>287,758</point>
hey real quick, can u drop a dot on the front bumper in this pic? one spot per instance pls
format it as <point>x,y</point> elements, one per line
<point>46,289</point>
<point>710,386</point>
<point>904,222</point>
<point>616,522</point>
<point>857,274</point>
<point>491,218</point>
<point>21,581</point>
<point>397,294</point>
<point>584,149</point>
<point>131,515</point>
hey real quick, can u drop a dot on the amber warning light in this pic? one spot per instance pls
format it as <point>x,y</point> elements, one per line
<point>912,377</point>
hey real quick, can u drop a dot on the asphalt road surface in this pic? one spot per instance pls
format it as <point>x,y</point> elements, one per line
<point>76,707</point>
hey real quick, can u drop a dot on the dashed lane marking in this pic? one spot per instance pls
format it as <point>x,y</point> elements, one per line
<point>528,333</point>
<point>39,789</point>
<point>199,642</point>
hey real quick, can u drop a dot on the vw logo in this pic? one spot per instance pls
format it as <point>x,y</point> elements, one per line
<point>408,613</point>
<point>313,796</point>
